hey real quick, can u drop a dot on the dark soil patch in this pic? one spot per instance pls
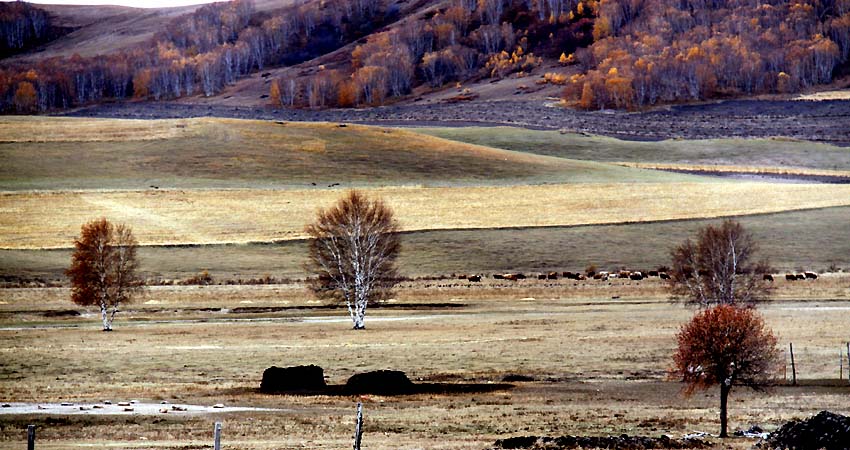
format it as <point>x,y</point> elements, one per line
<point>516,378</point>
<point>61,313</point>
<point>624,442</point>
<point>766,177</point>
<point>826,430</point>
<point>823,121</point>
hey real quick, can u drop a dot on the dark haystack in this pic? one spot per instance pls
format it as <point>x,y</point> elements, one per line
<point>623,442</point>
<point>287,379</point>
<point>381,382</point>
<point>826,431</point>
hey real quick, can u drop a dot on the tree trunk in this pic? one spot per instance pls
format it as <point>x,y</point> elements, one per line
<point>724,396</point>
<point>107,324</point>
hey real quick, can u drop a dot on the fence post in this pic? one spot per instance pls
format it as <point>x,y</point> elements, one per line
<point>840,363</point>
<point>358,429</point>
<point>793,366</point>
<point>217,436</point>
<point>848,361</point>
<point>30,437</point>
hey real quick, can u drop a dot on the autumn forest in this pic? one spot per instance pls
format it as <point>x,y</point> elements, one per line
<point>622,54</point>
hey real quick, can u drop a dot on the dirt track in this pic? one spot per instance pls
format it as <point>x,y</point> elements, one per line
<point>824,121</point>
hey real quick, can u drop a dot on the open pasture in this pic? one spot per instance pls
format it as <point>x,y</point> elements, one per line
<point>758,153</point>
<point>598,365</point>
<point>52,219</point>
<point>792,241</point>
<point>207,153</point>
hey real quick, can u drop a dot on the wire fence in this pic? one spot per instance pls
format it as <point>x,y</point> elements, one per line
<point>810,363</point>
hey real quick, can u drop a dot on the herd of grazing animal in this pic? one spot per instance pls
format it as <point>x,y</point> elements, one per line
<point>623,274</point>
<point>807,275</point>
<point>577,276</point>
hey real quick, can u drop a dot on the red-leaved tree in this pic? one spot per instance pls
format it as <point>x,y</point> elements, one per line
<point>728,346</point>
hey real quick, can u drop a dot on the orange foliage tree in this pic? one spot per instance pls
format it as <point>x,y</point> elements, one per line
<point>727,346</point>
<point>103,268</point>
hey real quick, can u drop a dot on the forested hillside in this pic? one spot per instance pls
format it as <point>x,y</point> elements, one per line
<point>23,27</point>
<point>657,51</point>
<point>625,54</point>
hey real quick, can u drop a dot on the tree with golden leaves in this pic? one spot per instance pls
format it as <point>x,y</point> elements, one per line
<point>103,268</point>
<point>352,250</point>
<point>728,346</point>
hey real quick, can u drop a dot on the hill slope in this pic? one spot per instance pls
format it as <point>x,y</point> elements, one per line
<point>69,153</point>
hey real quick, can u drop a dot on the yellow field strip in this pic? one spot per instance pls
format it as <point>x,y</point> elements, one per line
<point>30,220</point>
<point>754,170</point>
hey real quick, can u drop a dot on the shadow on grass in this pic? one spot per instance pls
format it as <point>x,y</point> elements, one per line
<point>341,390</point>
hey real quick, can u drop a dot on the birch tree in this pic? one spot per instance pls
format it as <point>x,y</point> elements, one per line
<point>719,268</point>
<point>103,268</point>
<point>353,248</point>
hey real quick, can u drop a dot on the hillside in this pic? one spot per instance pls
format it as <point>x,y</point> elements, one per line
<point>311,54</point>
<point>69,153</point>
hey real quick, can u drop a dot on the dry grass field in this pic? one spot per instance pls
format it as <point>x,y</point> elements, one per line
<point>52,219</point>
<point>599,364</point>
<point>792,241</point>
<point>233,196</point>
<point>761,153</point>
<point>71,153</point>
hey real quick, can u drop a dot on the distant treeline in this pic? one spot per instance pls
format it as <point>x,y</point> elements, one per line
<point>200,52</point>
<point>649,52</point>
<point>625,54</point>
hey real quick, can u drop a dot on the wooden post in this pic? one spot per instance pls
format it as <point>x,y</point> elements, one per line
<point>217,436</point>
<point>848,361</point>
<point>793,366</point>
<point>358,429</point>
<point>30,437</point>
<point>840,363</point>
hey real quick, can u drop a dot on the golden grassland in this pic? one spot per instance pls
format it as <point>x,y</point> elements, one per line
<point>791,241</point>
<point>599,364</point>
<point>763,153</point>
<point>52,219</point>
<point>72,153</point>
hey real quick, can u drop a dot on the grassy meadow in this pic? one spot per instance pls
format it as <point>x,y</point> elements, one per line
<point>232,197</point>
<point>754,153</point>
<point>208,153</point>
<point>175,217</point>
<point>598,365</point>
<point>797,240</point>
